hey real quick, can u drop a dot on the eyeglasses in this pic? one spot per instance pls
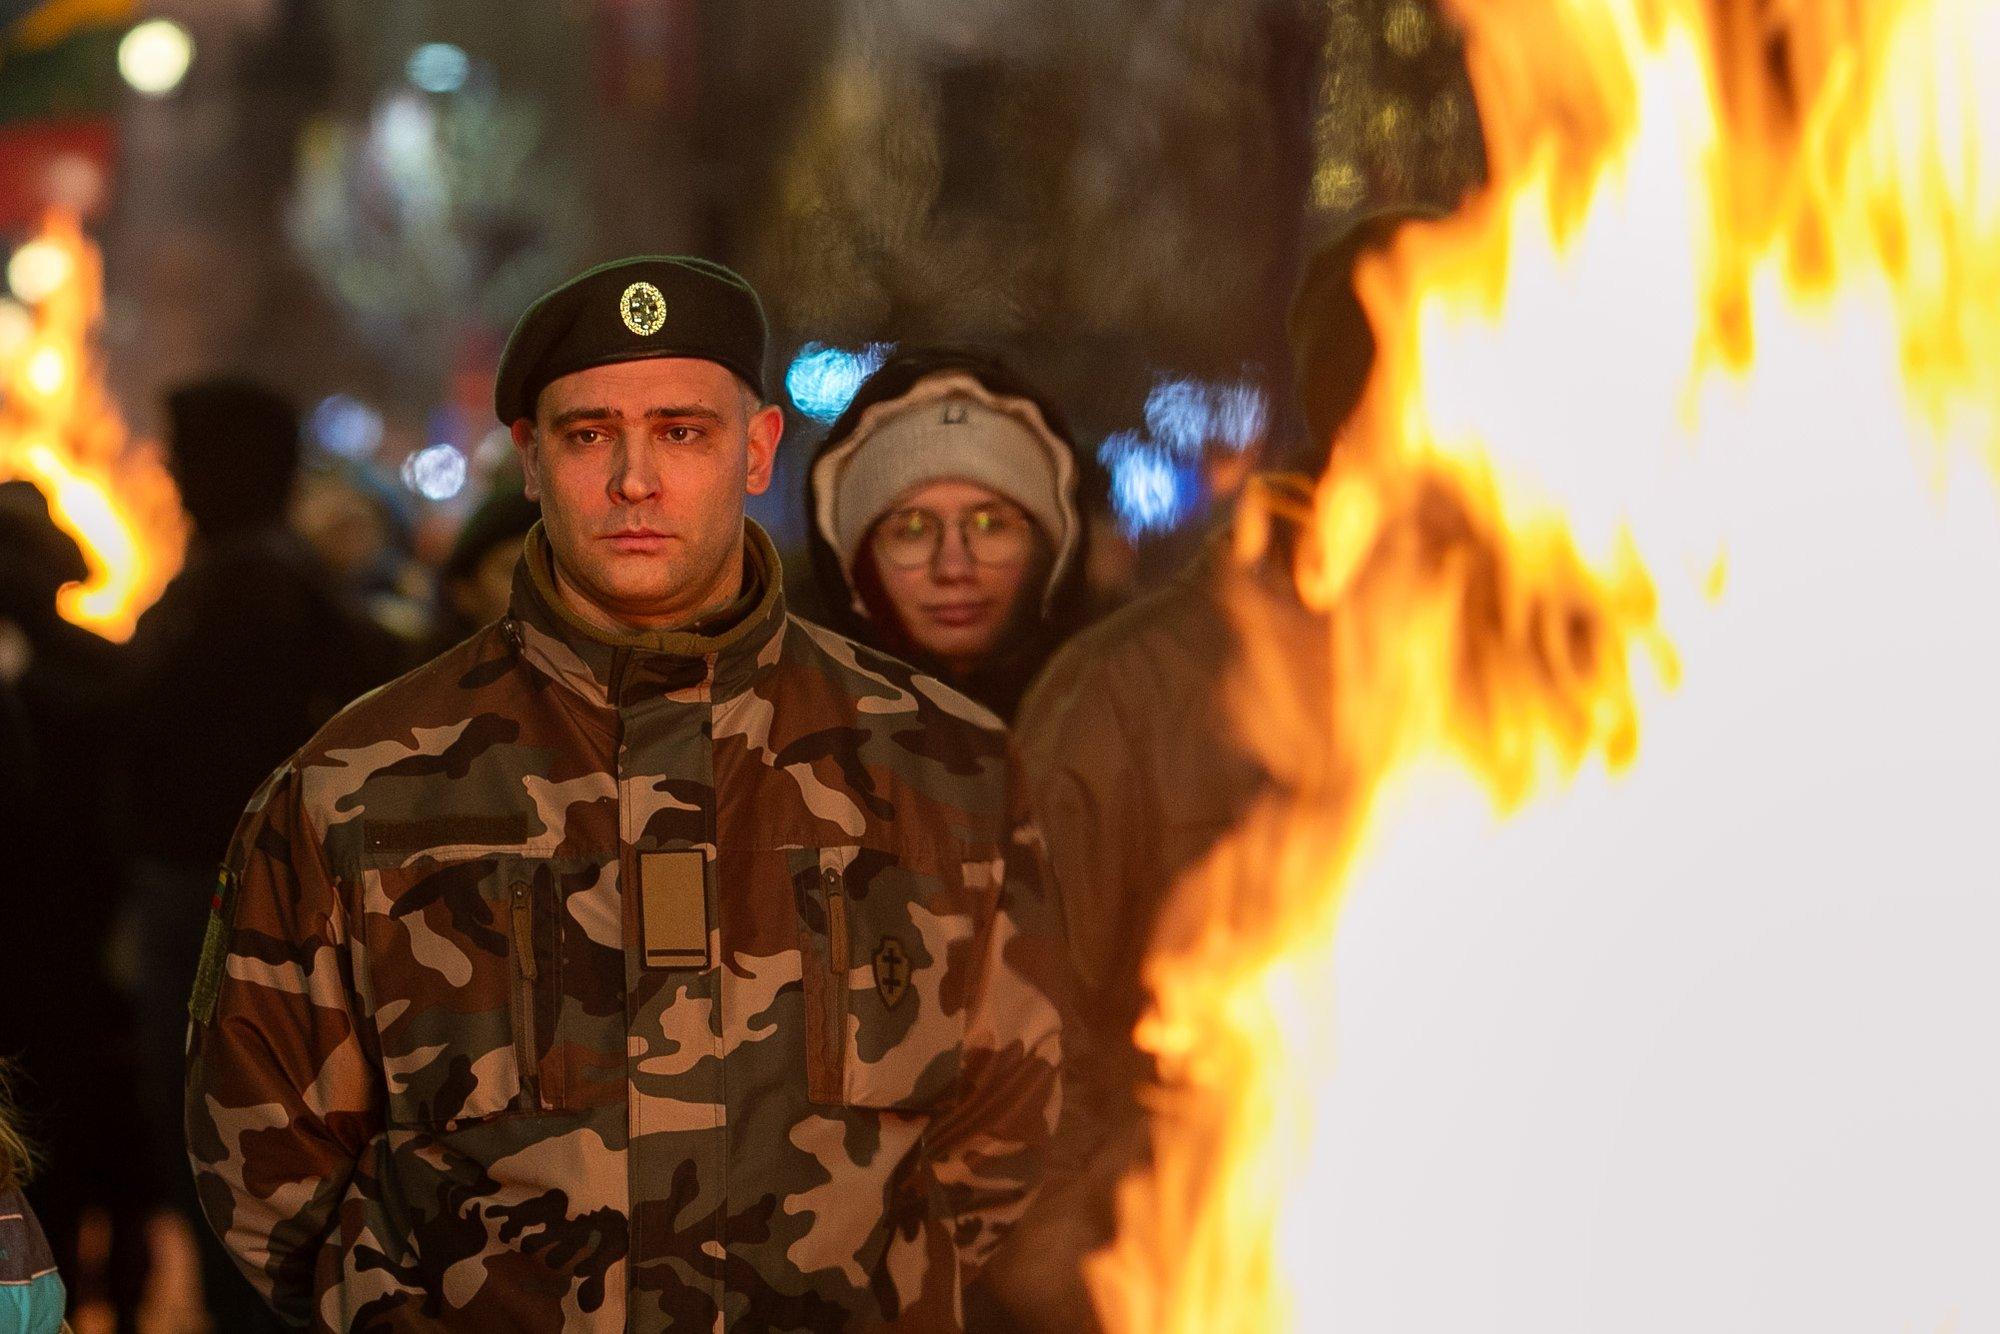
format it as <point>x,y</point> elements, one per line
<point>994,534</point>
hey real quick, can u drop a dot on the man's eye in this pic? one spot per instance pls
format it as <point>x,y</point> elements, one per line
<point>586,436</point>
<point>682,435</point>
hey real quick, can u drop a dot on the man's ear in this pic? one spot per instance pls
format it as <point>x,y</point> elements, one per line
<point>767,427</point>
<point>530,450</point>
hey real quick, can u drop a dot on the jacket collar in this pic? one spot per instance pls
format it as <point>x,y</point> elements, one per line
<point>710,660</point>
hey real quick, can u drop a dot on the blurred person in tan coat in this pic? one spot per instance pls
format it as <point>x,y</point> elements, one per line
<point>1135,773</point>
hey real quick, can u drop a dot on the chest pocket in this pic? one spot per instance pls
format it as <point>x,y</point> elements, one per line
<point>463,962</point>
<point>889,960</point>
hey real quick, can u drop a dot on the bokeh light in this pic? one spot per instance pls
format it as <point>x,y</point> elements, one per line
<point>17,326</point>
<point>1178,415</point>
<point>48,371</point>
<point>345,426</point>
<point>404,139</point>
<point>1187,415</point>
<point>435,472</point>
<point>1151,490</point>
<point>1241,415</point>
<point>494,450</point>
<point>822,380</point>
<point>37,269</point>
<point>438,67</point>
<point>154,57</point>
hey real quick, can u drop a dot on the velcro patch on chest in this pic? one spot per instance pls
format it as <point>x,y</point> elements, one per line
<point>673,909</point>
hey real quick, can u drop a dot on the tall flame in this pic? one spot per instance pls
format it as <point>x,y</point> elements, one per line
<point>60,430</point>
<point>1688,418</point>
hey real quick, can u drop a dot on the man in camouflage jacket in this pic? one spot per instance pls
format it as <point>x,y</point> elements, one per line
<point>657,978</point>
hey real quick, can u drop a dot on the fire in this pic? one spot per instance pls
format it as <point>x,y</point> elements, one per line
<point>60,430</point>
<point>1688,421</point>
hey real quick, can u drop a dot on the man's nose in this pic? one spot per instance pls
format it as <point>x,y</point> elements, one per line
<point>634,475</point>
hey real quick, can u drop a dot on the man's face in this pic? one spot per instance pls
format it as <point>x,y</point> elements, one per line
<point>641,468</point>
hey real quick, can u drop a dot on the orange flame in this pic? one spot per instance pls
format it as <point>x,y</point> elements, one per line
<point>1693,384</point>
<point>60,430</point>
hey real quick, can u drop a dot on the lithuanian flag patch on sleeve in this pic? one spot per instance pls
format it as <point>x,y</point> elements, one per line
<point>214,949</point>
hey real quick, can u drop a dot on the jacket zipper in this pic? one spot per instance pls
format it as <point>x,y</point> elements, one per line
<point>620,659</point>
<point>524,995</point>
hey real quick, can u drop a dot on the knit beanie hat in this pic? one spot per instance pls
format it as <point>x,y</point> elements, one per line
<point>947,426</point>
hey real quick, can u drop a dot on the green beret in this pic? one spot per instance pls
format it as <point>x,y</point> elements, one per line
<point>629,310</point>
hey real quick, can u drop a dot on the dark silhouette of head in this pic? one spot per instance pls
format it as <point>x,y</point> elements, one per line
<point>1333,348</point>
<point>233,447</point>
<point>36,557</point>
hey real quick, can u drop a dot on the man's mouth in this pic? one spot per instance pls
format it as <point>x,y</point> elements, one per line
<point>635,539</point>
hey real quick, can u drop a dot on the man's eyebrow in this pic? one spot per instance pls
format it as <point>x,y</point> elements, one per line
<point>571,416</point>
<point>695,410</point>
<point>670,412</point>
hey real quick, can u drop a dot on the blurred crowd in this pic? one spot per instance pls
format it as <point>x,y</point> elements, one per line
<point>947,524</point>
<point>125,769</point>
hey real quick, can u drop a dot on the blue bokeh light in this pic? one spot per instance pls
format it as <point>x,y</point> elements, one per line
<point>1187,415</point>
<point>345,426</point>
<point>1241,415</point>
<point>435,472</point>
<point>438,67</point>
<point>1178,415</point>
<point>1151,490</point>
<point>823,379</point>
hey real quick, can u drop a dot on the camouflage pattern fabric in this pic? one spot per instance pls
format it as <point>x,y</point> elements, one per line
<point>438,1084</point>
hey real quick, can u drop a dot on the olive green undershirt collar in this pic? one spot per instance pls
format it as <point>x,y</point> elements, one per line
<point>714,632</point>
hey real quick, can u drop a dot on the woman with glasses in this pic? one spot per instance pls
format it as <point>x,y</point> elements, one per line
<point>944,522</point>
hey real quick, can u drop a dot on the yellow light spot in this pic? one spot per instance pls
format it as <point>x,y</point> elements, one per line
<point>154,56</point>
<point>1338,184</point>
<point>38,269</point>
<point>1387,126</point>
<point>1407,29</point>
<point>47,370</point>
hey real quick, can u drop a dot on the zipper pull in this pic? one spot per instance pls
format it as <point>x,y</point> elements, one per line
<point>826,998</point>
<point>838,957</point>
<point>525,1047</point>
<point>524,933</point>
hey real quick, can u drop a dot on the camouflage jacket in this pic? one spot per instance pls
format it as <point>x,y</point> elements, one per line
<point>702,980</point>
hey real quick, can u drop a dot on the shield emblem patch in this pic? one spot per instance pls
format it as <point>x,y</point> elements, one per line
<point>892,971</point>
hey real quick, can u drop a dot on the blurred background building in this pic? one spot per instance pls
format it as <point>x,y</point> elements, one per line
<point>353,201</point>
